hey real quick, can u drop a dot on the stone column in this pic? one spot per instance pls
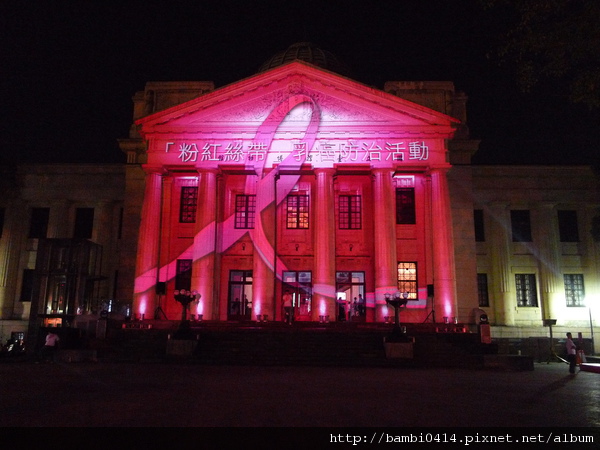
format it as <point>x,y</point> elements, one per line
<point>502,296</point>
<point>385,258</point>
<point>205,245</point>
<point>546,235</point>
<point>444,272</point>
<point>323,302</point>
<point>145,299</point>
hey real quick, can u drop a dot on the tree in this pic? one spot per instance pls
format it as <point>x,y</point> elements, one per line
<point>551,40</point>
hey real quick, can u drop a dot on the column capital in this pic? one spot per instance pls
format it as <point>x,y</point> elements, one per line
<point>326,170</point>
<point>213,170</point>
<point>438,169</point>
<point>154,170</point>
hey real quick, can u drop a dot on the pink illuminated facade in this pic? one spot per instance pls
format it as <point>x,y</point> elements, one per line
<point>300,180</point>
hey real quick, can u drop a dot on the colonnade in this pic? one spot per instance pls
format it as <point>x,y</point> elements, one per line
<point>207,248</point>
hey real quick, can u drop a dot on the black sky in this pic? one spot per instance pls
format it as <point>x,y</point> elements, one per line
<point>68,69</point>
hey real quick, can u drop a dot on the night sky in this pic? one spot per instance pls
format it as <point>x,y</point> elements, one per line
<point>68,69</point>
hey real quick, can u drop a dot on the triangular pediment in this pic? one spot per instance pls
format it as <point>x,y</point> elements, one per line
<point>295,91</point>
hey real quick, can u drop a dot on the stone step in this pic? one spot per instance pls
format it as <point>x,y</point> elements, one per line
<point>297,345</point>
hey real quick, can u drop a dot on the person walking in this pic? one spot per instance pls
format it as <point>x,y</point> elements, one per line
<point>571,353</point>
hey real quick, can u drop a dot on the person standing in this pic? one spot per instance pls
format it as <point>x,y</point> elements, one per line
<point>288,307</point>
<point>571,353</point>
<point>50,346</point>
<point>341,309</point>
<point>361,305</point>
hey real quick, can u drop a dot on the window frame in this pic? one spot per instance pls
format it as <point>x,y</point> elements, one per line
<point>407,278</point>
<point>297,215</point>
<point>520,225</point>
<point>245,211</point>
<point>526,290</point>
<point>574,290</point>
<point>188,204</point>
<point>406,213</point>
<point>483,294</point>
<point>479,225</point>
<point>38,223</point>
<point>350,212</point>
<point>183,274</point>
<point>568,226</point>
<point>83,228</point>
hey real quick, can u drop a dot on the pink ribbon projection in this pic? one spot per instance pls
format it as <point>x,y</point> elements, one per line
<point>265,193</point>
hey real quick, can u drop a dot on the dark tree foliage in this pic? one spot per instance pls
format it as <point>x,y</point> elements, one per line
<point>551,40</point>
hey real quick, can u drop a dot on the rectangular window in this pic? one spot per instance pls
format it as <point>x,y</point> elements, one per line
<point>478,222</point>
<point>482,289</point>
<point>350,212</point>
<point>188,204</point>
<point>245,211</point>
<point>1,221</point>
<point>526,289</point>
<point>84,223</point>
<point>405,206</point>
<point>183,276</point>
<point>297,211</point>
<point>407,279</point>
<point>38,227</point>
<point>520,225</point>
<point>574,291</point>
<point>27,285</point>
<point>567,226</point>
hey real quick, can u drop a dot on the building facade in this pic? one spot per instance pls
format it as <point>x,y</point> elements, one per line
<point>301,181</point>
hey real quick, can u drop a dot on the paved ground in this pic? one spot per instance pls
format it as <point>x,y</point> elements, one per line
<point>171,395</point>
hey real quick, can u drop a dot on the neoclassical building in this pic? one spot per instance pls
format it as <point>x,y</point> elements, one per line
<point>301,180</point>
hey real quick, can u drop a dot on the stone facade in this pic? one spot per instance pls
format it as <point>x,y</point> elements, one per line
<point>460,245</point>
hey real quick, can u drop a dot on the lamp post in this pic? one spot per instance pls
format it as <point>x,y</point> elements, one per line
<point>397,302</point>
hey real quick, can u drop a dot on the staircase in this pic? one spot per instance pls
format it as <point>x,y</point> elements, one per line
<point>302,344</point>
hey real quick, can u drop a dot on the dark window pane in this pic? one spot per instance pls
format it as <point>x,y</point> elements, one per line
<point>482,289</point>
<point>183,277</point>
<point>521,225</point>
<point>27,285</point>
<point>188,204</point>
<point>84,223</point>
<point>567,226</point>
<point>479,229</point>
<point>405,206</point>
<point>38,227</point>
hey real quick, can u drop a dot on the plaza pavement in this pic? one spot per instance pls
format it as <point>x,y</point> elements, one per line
<point>104,394</point>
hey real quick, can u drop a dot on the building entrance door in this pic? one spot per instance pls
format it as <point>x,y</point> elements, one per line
<point>350,293</point>
<point>299,284</point>
<point>239,305</point>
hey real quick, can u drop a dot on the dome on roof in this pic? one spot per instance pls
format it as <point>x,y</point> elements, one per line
<point>307,52</point>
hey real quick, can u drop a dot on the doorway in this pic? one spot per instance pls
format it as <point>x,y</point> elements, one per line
<point>239,304</point>
<point>299,284</point>
<point>350,293</point>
